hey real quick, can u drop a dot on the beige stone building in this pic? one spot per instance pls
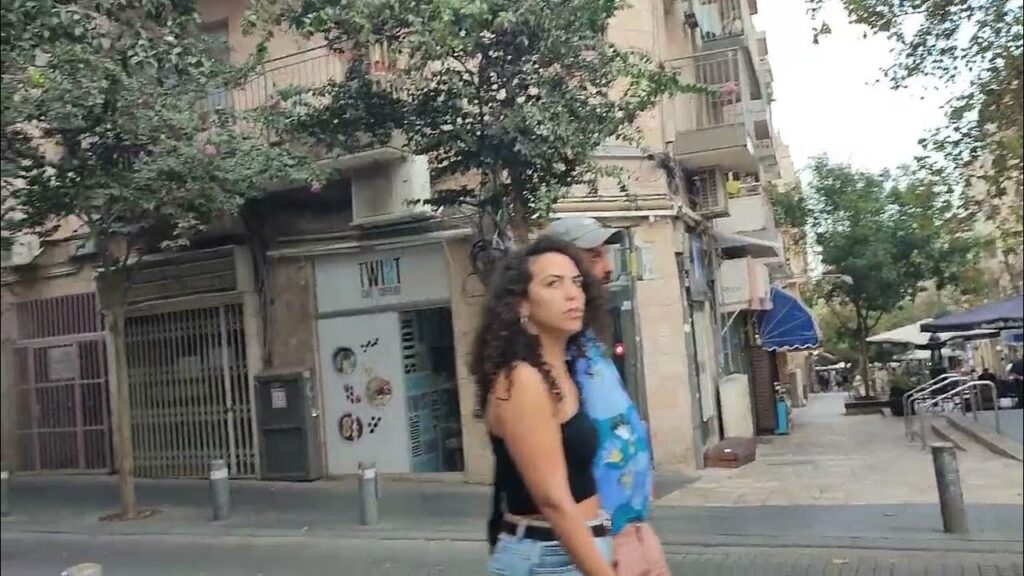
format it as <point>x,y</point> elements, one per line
<point>361,310</point>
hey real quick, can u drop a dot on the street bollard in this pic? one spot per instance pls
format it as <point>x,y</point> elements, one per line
<point>369,494</point>
<point>89,569</point>
<point>221,498</point>
<point>5,488</point>
<point>951,496</point>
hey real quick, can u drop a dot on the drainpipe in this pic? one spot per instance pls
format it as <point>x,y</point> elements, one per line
<point>637,345</point>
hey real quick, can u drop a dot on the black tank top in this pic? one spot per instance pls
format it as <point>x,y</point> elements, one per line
<point>579,444</point>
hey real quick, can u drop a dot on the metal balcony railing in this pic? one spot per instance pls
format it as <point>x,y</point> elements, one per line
<point>728,103</point>
<point>745,190</point>
<point>308,68</point>
<point>719,19</point>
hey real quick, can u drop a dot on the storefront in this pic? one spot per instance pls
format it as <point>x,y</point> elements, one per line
<point>787,328</point>
<point>387,361</point>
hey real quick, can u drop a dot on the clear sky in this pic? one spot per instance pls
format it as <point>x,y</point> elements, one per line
<point>832,97</point>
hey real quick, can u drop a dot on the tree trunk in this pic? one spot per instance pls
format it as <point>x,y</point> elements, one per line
<point>122,420</point>
<point>862,349</point>
<point>865,371</point>
<point>520,230</point>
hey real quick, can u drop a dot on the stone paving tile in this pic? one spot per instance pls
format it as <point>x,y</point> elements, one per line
<point>747,562</point>
<point>831,458</point>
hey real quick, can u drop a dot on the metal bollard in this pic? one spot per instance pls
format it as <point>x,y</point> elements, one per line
<point>951,496</point>
<point>369,494</point>
<point>219,494</point>
<point>89,569</point>
<point>5,488</point>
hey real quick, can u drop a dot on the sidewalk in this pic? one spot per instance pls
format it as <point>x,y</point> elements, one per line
<point>453,511</point>
<point>836,482</point>
<point>833,459</point>
<point>48,554</point>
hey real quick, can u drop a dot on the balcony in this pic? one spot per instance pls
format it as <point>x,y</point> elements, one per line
<point>723,23</point>
<point>717,129</point>
<point>750,212</point>
<point>307,69</point>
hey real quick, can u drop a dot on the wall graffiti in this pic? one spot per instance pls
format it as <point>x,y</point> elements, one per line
<point>344,360</point>
<point>350,427</point>
<point>378,392</point>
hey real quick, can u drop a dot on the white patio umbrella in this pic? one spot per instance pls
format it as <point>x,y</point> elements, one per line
<point>912,334</point>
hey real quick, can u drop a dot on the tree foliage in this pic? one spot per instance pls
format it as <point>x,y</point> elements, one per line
<point>892,234</point>
<point>117,112</point>
<point>788,207</point>
<point>509,99</point>
<point>977,43</point>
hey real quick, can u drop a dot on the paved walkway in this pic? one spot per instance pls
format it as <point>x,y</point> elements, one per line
<point>48,554</point>
<point>438,511</point>
<point>1011,423</point>
<point>838,482</point>
<point>833,459</point>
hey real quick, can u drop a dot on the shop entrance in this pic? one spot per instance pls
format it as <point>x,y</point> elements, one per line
<point>389,392</point>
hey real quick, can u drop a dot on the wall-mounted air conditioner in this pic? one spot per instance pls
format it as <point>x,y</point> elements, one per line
<point>709,191</point>
<point>391,192</point>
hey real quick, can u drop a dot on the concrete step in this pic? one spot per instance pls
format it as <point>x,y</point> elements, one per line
<point>945,431</point>
<point>982,435</point>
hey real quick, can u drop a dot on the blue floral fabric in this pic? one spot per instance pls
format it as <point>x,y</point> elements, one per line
<point>623,467</point>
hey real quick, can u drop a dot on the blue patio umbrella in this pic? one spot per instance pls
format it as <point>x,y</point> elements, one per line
<point>1002,315</point>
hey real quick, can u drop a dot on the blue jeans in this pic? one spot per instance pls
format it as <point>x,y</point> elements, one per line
<point>521,557</point>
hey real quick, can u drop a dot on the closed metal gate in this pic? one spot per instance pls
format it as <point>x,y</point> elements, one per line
<point>191,399</point>
<point>60,387</point>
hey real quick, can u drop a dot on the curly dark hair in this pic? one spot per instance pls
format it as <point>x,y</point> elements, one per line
<point>501,341</point>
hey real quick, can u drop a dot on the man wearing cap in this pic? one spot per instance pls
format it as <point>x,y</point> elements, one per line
<point>623,467</point>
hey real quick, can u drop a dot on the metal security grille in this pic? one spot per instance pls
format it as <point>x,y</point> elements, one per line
<point>191,400</point>
<point>60,386</point>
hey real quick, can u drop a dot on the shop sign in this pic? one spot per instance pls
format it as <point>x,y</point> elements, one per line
<point>416,275</point>
<point>743,284</point>
<point>381,277</point>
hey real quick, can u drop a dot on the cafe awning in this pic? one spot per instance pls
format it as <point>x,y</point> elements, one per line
<point>788,325</point>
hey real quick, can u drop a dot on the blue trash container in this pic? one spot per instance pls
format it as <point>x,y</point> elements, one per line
<point>781,416</point>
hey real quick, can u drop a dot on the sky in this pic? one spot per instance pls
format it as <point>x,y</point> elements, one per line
<point>832,98</point>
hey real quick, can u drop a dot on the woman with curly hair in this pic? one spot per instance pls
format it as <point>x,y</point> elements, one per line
<point>547,518</point>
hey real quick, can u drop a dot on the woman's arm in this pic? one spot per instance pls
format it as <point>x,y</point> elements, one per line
<point>528,421</point>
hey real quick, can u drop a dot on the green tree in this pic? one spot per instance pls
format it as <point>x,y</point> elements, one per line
<point>116,112</point>
<point>975,47</point>
<point>508,99</point>
<point>890,233</point>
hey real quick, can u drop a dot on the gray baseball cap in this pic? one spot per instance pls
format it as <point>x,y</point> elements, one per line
<point>585,233</point>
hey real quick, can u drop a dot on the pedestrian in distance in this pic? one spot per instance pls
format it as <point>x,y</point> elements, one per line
<point>547,517</point>
<point>624,464</point>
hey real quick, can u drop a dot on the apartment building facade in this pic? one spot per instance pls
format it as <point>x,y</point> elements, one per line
<point>374,302</point>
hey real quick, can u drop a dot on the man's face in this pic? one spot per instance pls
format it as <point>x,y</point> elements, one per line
<point>599,264</point>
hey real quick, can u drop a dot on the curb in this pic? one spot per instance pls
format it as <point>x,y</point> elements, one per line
<point>672,544</point>
<point>993,441</point>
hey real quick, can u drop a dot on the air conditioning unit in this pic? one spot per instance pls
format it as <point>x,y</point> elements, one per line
<point>709,191</point>
<point>391,192</point>
<point>24,249</point>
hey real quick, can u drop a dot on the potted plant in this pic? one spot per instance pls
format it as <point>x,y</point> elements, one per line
<point>899,385</point>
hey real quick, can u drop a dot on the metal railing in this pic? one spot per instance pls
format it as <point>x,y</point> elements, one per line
<point>304,69</point>
<point>748,190</point>
<point>957,399</point>
<point>719,19</point>
<point>922,390</point>
<point>728,104</point>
